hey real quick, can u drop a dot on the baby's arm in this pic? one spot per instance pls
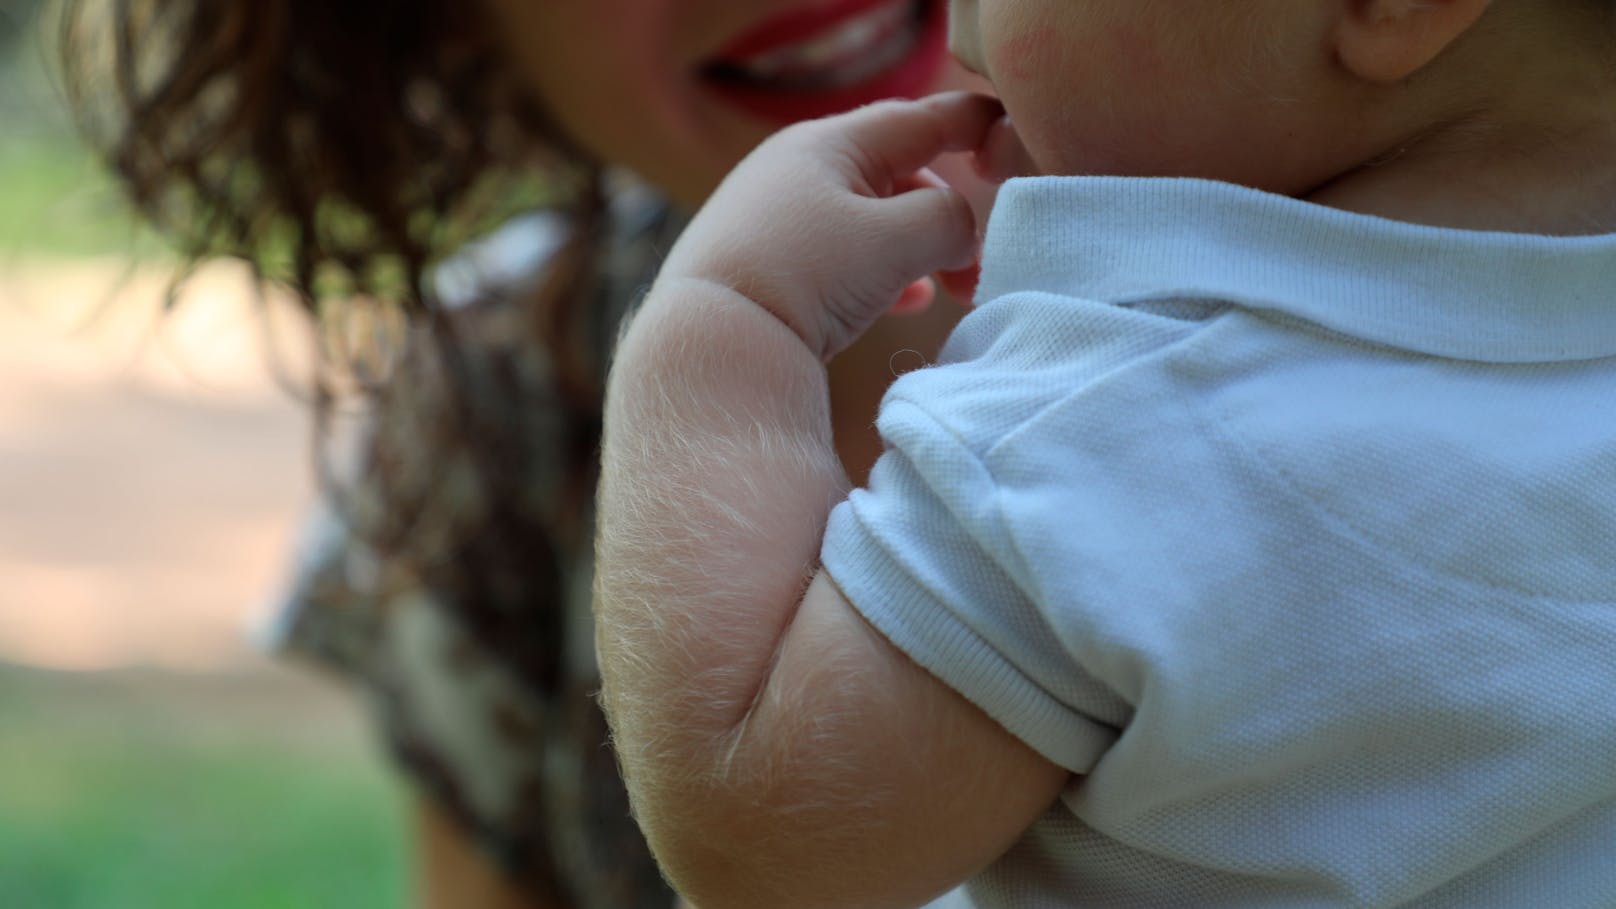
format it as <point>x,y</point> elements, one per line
<point>779,751</point>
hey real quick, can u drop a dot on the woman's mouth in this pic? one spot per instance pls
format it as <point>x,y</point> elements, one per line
<point>820,60</point>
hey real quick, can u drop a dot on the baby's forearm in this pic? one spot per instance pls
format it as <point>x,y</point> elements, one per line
<point>755,712</point>
<point>718,475</point>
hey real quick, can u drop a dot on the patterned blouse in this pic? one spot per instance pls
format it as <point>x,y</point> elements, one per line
<point>473,642</point>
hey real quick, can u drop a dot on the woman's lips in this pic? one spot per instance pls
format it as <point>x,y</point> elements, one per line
<point>802,25</point>
<point>823,60</point>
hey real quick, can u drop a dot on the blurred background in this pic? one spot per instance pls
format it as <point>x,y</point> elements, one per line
<point>152,470</point>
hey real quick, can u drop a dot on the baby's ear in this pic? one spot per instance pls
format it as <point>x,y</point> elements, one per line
<point>1389,40</point>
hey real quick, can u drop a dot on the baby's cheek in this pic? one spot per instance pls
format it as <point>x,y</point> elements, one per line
<point>1106,55</point>
<point>1046,85</point>
<point>1088,101</point>
<point>1023,59</point>
<point>1135,56</point>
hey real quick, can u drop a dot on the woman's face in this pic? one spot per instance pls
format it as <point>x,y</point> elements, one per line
<point>679,90</point>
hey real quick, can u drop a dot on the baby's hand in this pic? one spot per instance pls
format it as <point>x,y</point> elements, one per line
<point>831,223</point>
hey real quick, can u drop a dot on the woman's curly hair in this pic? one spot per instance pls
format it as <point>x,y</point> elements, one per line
<point>341,149</point>
<point>349,135</point>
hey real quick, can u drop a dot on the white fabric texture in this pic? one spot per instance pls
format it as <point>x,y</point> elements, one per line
<point>1292,532</point>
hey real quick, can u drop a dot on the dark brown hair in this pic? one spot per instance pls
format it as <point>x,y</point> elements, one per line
<point>346,135</point>
<point>342,147</point>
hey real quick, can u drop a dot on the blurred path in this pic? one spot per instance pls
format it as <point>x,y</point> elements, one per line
<point>151,470</point>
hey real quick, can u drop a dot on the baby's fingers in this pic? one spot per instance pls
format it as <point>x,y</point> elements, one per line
<point>937,224</point>
<point>887,142</point>
<point>917,297</point>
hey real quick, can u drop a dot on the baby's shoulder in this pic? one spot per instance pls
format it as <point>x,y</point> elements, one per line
<point>1019,357</point>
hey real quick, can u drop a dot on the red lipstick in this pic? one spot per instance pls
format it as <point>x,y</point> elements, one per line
<point>910,75</point>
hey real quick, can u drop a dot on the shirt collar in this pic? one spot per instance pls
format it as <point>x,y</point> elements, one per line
<point>1474,295</point>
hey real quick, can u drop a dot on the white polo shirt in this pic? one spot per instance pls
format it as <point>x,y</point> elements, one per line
<point>1292,531</point>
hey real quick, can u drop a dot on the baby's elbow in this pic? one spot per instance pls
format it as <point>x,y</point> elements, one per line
<point>710,876</point>
<point>702,852</point>
<point>721,839</point>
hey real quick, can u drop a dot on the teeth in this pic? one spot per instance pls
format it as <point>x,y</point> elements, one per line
<point>851,52</point>
<point>851,37</point>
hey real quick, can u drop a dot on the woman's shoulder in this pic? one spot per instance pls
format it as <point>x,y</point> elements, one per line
<point>492,364</point>
<point>448,571</point>
<point>636,226</point>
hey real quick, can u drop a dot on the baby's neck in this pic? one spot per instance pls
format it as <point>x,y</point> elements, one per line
<point>1565,185</point>
<point>1528,147</point>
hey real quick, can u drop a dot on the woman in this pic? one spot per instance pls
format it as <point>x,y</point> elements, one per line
<point>345,149</point>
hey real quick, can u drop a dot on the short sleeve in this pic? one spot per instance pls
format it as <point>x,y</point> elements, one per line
<point>921,553</point>
<point>934,551</point>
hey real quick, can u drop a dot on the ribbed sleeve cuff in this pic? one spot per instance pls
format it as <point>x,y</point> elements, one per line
<point>923,626</point>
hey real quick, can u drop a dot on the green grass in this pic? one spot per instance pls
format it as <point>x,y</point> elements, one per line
<point>115,794</point>
<point>56,200</point>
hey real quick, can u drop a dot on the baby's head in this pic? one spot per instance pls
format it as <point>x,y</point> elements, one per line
<point>1284,95</point>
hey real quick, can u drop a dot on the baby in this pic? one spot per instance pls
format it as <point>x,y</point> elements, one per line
<point>1253,543</point>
